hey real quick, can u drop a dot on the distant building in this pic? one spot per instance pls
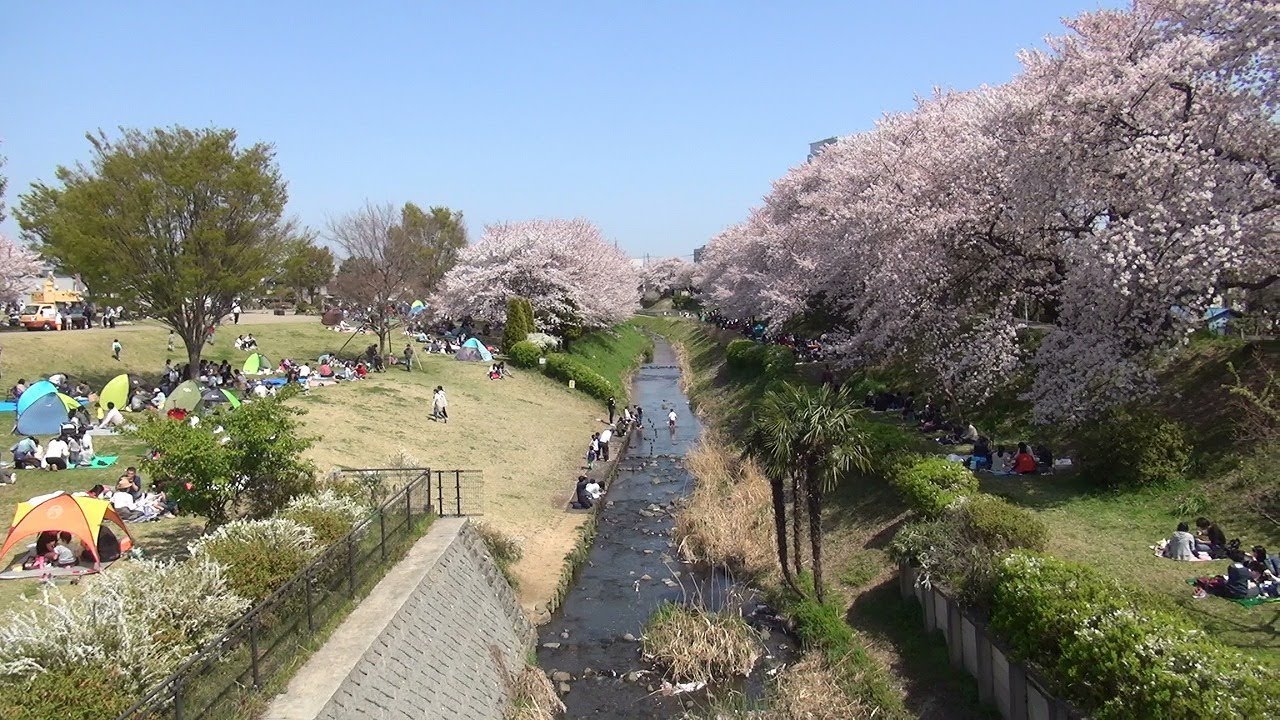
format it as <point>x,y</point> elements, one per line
<point>639,263</point>
<point>697,253</point>
<point>816,147</point>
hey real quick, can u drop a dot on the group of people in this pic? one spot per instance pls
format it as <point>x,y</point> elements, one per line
<point>1248,575</point>
<point>805,349</point>
<point>498,370</point>
<point>134,503</point>
<point>246,342</point>
<point>73,447</point>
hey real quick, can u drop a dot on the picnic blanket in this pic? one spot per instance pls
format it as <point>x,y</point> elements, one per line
<point>79,569</point>
<point>1158,550</point>
<point>99,462</point>
<point>1243,602</point>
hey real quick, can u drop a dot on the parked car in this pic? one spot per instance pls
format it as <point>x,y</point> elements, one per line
<point>45,316</point>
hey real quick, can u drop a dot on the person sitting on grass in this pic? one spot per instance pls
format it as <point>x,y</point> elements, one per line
<point>493,372</point>
<point>1239,584</point>
<point>56,454</point>
<point>113,418</point>
<point>1210,538</point>
<point>1269,563</point>
<point>26,453</point>
<point>16,391</point>
<point>1044,458</point>
<point>44,553</point>
<point>63,555</point>
<point>1181,545</point>
<point>980,458</point>
<point>1024,463</point>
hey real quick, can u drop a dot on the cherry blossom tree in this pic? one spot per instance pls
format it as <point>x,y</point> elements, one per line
<point>1123,182</point>
<point>667,276</point>
<point>18,265</point>
<point>575,279</point>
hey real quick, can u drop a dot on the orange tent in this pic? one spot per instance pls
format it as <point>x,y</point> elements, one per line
<point>79,515</point>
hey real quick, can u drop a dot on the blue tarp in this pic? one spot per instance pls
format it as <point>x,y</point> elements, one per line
<point>45,416</point>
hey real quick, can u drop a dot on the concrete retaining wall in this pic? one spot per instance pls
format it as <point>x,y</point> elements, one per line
<point>437,638</point>
<point>1002,681</point>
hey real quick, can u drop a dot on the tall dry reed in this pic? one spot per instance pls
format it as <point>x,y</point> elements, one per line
<point>728,518</point>
<point>696,645</point>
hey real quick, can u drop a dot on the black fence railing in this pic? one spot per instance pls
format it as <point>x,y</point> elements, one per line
<point>223,679</point>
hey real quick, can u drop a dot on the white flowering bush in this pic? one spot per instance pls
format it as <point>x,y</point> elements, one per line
<point>142,618</point>
<point>259,555</point>
<point>1109,653</point>
<point>330,515</point>
<point>545,342</point>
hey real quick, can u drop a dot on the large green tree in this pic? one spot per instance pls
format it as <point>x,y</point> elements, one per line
<point>393,258</point>
<point>812,437</point>
<point>306,267</point>
<point>176,221</point>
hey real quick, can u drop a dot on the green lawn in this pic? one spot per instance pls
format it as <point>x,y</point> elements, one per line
<point>526,434</point>
<point>612,354</point>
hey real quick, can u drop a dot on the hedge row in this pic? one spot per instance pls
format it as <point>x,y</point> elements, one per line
<point>565,367</point>
<point>524,354</point>
<point>1111,654</point>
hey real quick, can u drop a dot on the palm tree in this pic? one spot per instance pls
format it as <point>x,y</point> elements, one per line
<point>815,437</point>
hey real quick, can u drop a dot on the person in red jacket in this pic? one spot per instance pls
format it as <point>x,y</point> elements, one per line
<point>1024,463</point>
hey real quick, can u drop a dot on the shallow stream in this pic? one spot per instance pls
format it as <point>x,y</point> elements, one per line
<point>591,646</point>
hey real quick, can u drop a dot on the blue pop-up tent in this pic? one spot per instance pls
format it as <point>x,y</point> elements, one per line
<point>45,416</point>
<point>34,393</point>
<point>474,350</point>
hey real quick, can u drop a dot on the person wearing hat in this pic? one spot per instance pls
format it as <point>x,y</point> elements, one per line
<point>157,398</point>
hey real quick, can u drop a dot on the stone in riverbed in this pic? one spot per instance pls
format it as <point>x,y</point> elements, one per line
<point>629,637</point>
<point>551,645</point>
<point>561,676</point>
<point>564,688</point>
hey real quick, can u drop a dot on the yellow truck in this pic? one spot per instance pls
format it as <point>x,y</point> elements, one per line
<point>52,308</point>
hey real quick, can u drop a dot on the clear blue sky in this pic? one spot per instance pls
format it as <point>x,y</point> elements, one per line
<point>662,122</point>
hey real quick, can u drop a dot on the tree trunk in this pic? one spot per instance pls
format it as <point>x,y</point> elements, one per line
<point>815,532</point>
<point>780,530</point>
<point>194,338</point>
<point>797,556</point>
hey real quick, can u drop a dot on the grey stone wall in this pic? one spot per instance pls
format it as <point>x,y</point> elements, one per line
<point>1007,684</point>
<point>437,638</point>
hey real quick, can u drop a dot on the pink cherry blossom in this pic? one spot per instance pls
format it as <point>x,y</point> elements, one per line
<point>566,268</point>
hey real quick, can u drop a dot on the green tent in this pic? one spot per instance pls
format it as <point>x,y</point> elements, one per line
<point>231,398</point>
<point>186,397</point>
<point>256,363</point>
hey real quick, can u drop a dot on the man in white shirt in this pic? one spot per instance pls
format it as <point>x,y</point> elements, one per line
<point>157,399</point>
<point>593,490</point>
<point>113,418</point>
<point>671,419</point>
<point>55,454</point>
<point>605,436</point>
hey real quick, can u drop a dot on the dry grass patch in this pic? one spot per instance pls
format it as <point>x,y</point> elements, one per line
<point>813,689</point>
<point>533,697</point>
<point>728,518</point>
<point>695,645</point>
<point>504,549</point>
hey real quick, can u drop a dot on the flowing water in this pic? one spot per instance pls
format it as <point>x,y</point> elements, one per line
<point>591,645</point>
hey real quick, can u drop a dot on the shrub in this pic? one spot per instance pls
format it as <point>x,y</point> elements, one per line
<point>72,692</point>
<point>1134,449</point>
<point>744,356</point>
<point>945,554</point>
<point>259,555</point>
<point>519,322</point>
<point>778,360</point>
<point>524,354</point>
<point>329,514</point>
<point>566,367</point>
<point>930,484</point>
<point>545,342</point>
<point>698,645</point>
<point>886,445</point>
<point>1110,653</point>
<point>142,618</point>
<point>1001,525</point>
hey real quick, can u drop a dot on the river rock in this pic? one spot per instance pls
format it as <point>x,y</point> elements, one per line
<point>633,676</point>
<point>561,676</point>
<point>564,688</point>
<point>645,577</point>
<point>629,637</point>
<point>565,634</point>
<point>551,646</point>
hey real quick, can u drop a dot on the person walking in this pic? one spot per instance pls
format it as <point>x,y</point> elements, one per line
<point>639,413</point>
<point>613,407</point>
<point>440,405</point>
<point>235,313</point>
<point>408,357</point>
<point>171,341</point>
<point>116,348</point>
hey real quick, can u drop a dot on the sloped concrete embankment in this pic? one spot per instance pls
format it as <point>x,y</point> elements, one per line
<point>438,637</point>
